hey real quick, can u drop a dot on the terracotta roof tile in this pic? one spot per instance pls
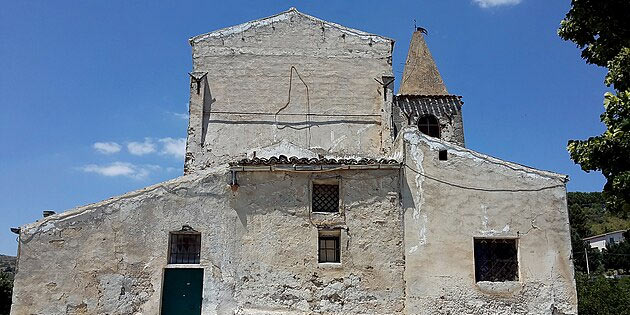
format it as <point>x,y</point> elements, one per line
<point>438,105</point>
<point>294,160</point>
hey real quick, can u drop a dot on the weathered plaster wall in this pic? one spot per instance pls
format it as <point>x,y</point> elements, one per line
<point>249,69</point>
<point>259,248</point>
<point>441,221</point>
<point>452,129</point>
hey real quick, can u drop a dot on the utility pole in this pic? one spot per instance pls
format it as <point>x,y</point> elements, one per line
<point>588,270</point>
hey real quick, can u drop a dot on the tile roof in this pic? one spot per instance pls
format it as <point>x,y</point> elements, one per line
<point>438,105</point>
<point>294,160</point>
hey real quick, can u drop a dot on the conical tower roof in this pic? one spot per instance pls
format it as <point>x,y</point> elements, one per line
<point>421,76</point>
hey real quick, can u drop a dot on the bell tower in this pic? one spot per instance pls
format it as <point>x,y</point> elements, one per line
<point>422,98</point>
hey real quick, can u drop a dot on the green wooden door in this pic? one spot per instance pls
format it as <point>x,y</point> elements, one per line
<point>181,292</point>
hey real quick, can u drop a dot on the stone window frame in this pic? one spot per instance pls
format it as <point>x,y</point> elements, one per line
<point>517,282</point>
<point>331,232</point>
<point>337,180</point>
<point>185,230</point>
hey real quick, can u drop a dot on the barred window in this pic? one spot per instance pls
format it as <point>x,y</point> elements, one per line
<point>325,198</point>
<point>329,251</point>
<point>496,259</point>
<point>184,247</point>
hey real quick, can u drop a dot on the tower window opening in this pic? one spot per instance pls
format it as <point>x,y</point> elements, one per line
<point>429,125</point>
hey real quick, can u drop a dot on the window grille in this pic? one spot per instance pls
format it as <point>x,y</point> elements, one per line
<point>325,198</point>
<point>184,248</point>
<point>329,249</point>
<point>496,260</point>
<point>429,125</point>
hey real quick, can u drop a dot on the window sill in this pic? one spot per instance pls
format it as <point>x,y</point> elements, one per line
<point>329,265</point>
<point>181,266</point>
<point>506,287</point>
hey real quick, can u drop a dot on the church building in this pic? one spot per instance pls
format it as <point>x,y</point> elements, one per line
<point>311,187</point>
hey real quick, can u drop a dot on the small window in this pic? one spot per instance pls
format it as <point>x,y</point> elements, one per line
<point>496,260</point>
<point>328,245</point>
<point>184,247</point>
<point>325,198</point>
<point>429,125</point>
<point>443,155</point>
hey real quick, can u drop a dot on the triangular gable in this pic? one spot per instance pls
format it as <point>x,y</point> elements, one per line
<point>282,17</point>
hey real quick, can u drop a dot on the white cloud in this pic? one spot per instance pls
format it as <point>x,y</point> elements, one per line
<point>174,147</point>
<point>181,115</point>
<point>121,169</point>
<point>495,3</point>
<point>141,148</point>
<point>107,147</point>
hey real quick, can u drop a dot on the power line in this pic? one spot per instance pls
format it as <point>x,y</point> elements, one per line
<point>605,253</point>
<point>478,188</point>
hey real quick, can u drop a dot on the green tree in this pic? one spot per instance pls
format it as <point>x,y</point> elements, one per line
<point>6,289</point>
<point>617,256</point>
<point>602,30</point>
<point>602,296</point>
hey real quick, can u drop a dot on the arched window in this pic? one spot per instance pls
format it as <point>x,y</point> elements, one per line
<point>429,125</point>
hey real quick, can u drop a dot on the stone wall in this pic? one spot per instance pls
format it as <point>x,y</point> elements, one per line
<point>406,241</point>
<point>449,203</point>
<point>259,248</point>
<point>291,64</point>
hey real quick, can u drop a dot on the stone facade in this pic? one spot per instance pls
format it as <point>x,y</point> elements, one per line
<point>409,212</point>
<point>288,77</point>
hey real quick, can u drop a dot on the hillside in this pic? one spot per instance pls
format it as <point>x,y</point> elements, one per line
<point>8,264</point>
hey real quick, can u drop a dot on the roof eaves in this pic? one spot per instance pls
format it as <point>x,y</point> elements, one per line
<point>605,234</point>
<point>430,141</point>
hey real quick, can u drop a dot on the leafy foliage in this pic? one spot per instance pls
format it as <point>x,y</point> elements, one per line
<point>599,295</point>
<point>589,216</point>
<point>6,289</point>
<point>596,293</point>
<point>617,256</point>
<point>602,30</point>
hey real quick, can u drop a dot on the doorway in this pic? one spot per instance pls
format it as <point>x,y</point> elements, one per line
<point>182,291</point>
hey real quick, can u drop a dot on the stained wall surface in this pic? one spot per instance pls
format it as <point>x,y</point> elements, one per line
<point>293,65</point>
<point>406,235</point>
<point>470,195</point>
<point>259,248</point>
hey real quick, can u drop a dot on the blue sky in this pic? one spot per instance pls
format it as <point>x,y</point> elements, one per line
<point>94,94</point>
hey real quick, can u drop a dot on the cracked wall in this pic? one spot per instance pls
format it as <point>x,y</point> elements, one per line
<point>448,203</point>
<point>259,248</point>
<point>292,66</point>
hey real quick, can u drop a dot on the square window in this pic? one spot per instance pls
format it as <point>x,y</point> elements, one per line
<point>443,155</point>
<point>184,248</point>
<point>325,198</point>
<point>496,260</point>
<point>328,247</point>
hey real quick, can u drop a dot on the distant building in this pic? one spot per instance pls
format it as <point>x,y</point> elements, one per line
<point>600,241</point>
<point>310,187</point>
